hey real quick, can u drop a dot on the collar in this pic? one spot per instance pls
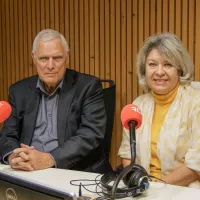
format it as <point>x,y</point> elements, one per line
<point>41,87</point>
<point>165,98</point>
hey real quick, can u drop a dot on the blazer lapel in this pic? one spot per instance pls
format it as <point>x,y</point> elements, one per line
<point>33,99</point>
<point>64,103</point>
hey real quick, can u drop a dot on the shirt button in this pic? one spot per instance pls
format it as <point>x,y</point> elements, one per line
<point>49,115</point>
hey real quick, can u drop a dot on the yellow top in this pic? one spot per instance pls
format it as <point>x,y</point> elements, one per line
<point>162,105</point>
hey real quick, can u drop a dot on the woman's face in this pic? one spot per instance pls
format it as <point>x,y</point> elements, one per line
<point>161,76</point>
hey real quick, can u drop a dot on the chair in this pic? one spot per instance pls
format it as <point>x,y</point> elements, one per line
<point>109,96</point>
<point>103,165</point>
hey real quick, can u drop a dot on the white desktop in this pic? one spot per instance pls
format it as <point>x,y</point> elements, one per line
<point>59,179</point>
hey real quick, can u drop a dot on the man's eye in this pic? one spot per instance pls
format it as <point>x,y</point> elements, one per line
<point>43,58</point>
<point>58,58</point>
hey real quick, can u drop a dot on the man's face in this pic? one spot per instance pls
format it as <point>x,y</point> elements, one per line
<point>50,60</point>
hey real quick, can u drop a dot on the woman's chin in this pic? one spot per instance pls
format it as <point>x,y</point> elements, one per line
<point>161,90</point>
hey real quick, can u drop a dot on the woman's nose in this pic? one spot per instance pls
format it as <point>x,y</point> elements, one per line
<point>160,70</point>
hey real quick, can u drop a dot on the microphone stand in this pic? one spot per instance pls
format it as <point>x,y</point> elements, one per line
<point>128,168</point>
<point>132,125</point>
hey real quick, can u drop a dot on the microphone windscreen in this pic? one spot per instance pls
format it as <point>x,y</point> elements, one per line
<point>131,113</point>
<point>5,111</point>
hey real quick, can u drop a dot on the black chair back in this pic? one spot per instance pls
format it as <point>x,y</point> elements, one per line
<point>109,95</point>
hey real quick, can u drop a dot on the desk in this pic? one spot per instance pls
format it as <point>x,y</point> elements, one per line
<point>60,179</point>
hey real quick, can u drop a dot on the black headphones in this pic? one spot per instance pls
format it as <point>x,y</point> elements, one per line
<point>135,178</point>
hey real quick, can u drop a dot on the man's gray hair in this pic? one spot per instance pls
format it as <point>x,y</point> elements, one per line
<point>172,50</point>
<point>49,34</point>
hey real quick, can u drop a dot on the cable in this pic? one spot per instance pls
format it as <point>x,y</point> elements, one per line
<point>96,182</point>
<point>82,180</point>
<point>81,184</point>
<point>150,176</point>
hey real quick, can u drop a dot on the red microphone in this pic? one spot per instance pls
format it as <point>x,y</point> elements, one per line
<point>5,111</point>
<point>131,113</point>
<point>131,118</point>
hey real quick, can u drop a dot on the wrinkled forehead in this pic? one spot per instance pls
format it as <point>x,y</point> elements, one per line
<point>50,47</point>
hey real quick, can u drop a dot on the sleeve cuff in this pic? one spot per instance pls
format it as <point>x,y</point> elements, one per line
<point>55,165</point>
<point>5,157</point>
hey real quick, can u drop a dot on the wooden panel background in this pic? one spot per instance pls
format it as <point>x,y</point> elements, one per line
<point>104,37</point>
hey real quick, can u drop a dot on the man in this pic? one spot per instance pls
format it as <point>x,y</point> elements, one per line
<point>58,117</point>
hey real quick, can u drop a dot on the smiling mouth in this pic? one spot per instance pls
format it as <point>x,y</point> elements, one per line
<point>160,81</point>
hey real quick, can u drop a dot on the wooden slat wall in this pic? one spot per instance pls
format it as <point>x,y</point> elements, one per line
<point>104,37</point>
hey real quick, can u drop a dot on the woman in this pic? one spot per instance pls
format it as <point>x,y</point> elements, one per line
<point>168,141</point>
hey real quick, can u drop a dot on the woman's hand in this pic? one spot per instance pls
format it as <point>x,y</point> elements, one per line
<point>181,176</point>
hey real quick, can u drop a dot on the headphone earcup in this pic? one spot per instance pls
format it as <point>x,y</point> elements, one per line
<point>133,178</point>
<point>129,179</point>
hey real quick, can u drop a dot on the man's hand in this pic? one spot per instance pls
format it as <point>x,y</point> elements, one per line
<point>18,161</point>
<point>28,159</point>
<point>26,146</point>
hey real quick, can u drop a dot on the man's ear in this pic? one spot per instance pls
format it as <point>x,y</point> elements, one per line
<point>33,57</point>
<point>67,54</point>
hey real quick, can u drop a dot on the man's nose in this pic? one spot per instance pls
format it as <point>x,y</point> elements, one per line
<point>50,63</point>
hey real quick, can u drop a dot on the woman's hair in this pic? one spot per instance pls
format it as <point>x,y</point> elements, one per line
<point>49,34</point>
<point>173,51</point>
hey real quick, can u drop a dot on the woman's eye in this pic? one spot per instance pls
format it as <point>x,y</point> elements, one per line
<point>168,65</point>
<point>152,64</point>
